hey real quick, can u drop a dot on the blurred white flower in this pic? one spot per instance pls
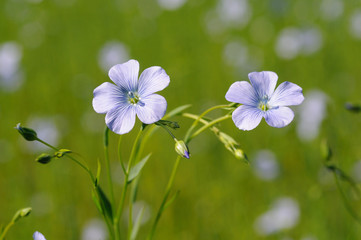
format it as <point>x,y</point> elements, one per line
<point>171,4</point>
<point>331,9</point>
<point>284,214</point>
<point>265,165</point>
<point>32,34</point>
<point>38,236</point>
<point>311,114</point>
<point>355,24</point>
<point>292,42</point>
<point>47,131</point>
<point>11,75</point>
<point>112,53</point>
<point>94,229</point>
<point>137,207</point>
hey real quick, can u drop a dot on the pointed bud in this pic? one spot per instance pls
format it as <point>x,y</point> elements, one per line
<point>21,213</point>
<point>239,154</point>
<point>61,153</point>
<point>28,133</point>
<point>181,148</point>
<point>356,108</point>
<point>43,158</point>
<point>326,151</point>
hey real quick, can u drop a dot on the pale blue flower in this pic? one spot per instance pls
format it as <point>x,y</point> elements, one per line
<point>130,97</point>
<point>38,236</point>
<point>261,100</point>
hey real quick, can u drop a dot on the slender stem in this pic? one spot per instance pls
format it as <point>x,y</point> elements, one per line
<point>210,124</point>
<point>107,163</point>
<point>2,236</point>
<point>165,197</point>
<point>345,201</point>
<point>168,131</point>
<point>130,219</point>
<point>120,153</point>
<point>188,134</point>
<point>72,158</point>
<point>125,188</point>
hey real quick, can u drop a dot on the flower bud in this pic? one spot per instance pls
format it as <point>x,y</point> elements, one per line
<point>28,133</point>
<point>181,148</point>
<point>61,153</point>
<point>21,213</point>
<point>239,154</point>
<point>44,158</point>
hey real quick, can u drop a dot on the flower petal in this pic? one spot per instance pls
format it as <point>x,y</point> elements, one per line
<point>152,80</point>
<point>106,97</point>
<point>125,75</point>
<point>121,119</point>
<point>152,110</point>
<point>264,82</point>
<point>287,94</point>
<point>247,117</point>
<point>279,117</point>
<point>242,92</point>
<point>38,236</point>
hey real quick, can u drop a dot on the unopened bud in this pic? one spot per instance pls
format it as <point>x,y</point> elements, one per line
<point>44,158</point>
<point>21,213</point>
<point>239,154</point>
<point>61,153</point>
<point>326,151</point>
<point>356,108</point>
<point>181,148</point>
<point>28,133</point>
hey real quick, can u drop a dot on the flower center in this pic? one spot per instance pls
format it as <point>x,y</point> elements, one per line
<point>134,98</point>
<point>263,103</point>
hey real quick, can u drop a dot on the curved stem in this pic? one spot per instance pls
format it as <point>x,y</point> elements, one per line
<point>72,158</point>
<point>3,234</point>
<point>188,134</point>
<point>165,197</point>
<point>210,124</point>
<point>345,201</point>
<point>120,154</point>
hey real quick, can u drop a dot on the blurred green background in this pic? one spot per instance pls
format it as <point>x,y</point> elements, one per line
<point>53,53</point>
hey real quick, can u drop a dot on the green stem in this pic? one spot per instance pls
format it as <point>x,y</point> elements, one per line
<point>125,188</point>
<point>345,201</point>
<point>165,197</point>
<point>188,134</point>
<point>2,236</point>
<point>210,124</point>
<point>72,158</point>
<point>168,131</point>
<point>120,153</point>
<point>107,163</point>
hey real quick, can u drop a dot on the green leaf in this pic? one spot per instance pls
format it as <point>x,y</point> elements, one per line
<point>138,220</point>
<point>98,174</point>
<point>96,201</point>
<point>105,204</point>
<point>134,190</point>
<point>61,153</point>
<point>167,123</point>
<point>137,168</point>
<point>177,111</point>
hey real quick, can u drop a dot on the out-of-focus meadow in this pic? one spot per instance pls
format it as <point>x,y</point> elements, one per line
<point>53,53</point>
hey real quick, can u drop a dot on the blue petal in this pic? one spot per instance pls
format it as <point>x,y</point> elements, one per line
<point>152,80</point>
<point>38,236</point>
<point>287,94</point>
<point>279,117</point>
<point>121,119</point>
<point>247,117</point>
<point>242,92</point>
<point>264,82</point>
<point>125,75</point>
<point>106,97</point>
<point>152,110</point>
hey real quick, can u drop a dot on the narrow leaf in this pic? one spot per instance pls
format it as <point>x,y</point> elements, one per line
<point>134,190</point>
<point>177,111</point>
<point>96,201</point>
<point>138,220</point>
<point>105,204</point>
<point>98,174</point>
<point>137,168</point>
